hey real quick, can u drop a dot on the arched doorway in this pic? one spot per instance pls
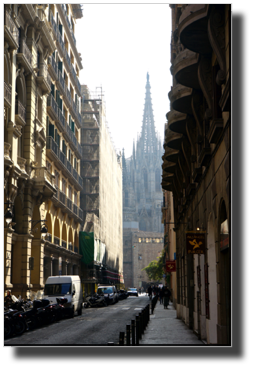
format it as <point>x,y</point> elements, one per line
<point>64,236</point>
<point>57,232</point>
<point>224,336</point>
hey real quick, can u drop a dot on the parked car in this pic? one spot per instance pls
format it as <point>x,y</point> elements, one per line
<point>110,293</point>
<point>122,294</point>
<point>133,292</point>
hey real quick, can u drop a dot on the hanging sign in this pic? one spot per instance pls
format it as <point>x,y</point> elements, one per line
<point>170,266</point>
<point>195,242</point>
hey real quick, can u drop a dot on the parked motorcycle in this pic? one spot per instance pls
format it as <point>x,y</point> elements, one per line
<point>122,294</point>
<point>14,323</point>
<point>95,301</point>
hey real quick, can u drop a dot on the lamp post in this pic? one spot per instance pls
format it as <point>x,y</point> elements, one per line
<point>43,229</point>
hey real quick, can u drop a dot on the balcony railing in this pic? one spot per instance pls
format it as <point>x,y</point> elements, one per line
<point>7,93</point>
<point>25,50</point>
<point>53,63</point>
<point>52,145</point>
<point>69,203</point>
<point>44,77</point>
<point>62,197</point>
<point>9,23</point>
<point>64,244</point>
<point>53,22</point>
<point>70,247</point>
<point>20,111</point>
<point>51,102</point>
<point>56,241</point>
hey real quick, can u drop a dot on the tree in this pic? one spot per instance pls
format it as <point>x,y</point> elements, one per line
<point>155,269</point>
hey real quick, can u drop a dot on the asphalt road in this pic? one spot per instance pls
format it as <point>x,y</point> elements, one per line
<point>96,326</point>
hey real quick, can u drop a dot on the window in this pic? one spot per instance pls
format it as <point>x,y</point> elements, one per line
<point>63,186</point>
<point>145,179</point>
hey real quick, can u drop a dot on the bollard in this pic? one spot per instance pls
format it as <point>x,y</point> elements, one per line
<point>144,319</point>
<point>121,338</point>
<point>140,325</point>
<point>148,312</point>
<point>137,329</point>
<point>133,332</point>
<point>128,335</point>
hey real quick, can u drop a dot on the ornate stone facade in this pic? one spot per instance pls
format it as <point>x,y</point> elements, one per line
<point>196,164</point>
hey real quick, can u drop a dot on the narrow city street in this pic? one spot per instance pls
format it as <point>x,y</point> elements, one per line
<point>96,326</point>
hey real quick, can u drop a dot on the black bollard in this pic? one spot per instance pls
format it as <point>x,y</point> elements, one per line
<point>121,339</point>
<point>133,332</point>
<point>140,325</point>
<point>128,335</point>
<point>137,329</point>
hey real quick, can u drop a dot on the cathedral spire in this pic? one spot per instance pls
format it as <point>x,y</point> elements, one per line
<point>148,138</point>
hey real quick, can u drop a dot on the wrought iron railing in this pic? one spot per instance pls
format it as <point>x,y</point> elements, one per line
<point>7,93</point>
<point>20,110</point>
<point>12,27</point>
<point>25,50</point>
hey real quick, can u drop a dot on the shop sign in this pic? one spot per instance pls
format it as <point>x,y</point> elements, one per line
<point>195,242</point>
<point>170,266</point>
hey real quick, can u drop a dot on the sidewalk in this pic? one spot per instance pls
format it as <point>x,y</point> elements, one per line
<point>165,329</point>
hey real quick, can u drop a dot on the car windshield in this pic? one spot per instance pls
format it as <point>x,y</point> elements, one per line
<point>105,291</point>
<point>132,289</point>
<point>57,289</point>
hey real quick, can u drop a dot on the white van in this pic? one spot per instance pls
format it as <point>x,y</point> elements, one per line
<point>68,287</point>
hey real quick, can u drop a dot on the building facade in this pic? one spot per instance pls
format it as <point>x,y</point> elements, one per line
<point>142,196</point>
<point>63,214</point>
<point>196,164</point>
<point>101,198</point>
<point>34,126</point>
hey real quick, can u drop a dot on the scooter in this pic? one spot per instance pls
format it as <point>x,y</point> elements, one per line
<point>14,323</point>
<point>95,301</point>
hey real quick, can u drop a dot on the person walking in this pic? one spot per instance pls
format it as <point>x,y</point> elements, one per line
<point>160,295</point>
<point>166,295</point>
<point>150,292</point>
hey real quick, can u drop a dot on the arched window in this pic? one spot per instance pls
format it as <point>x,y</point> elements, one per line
<point>145,179</point>
<point>157,180</point>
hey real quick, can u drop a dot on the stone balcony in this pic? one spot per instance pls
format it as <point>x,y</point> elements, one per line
<point>181,99</point>
<point>43,79</point>
<point>11,32</point>
<point>43,181</point>
<point>24,57</point>
<point>20,113</point>
<point>193,28</point>
<point>186,68</point>
<point>177,122</point>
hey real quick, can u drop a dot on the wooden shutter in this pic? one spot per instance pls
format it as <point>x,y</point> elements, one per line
<point>51,130</point>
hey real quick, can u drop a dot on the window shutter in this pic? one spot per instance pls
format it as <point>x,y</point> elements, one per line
<point>47,125</point>
<point>73,126</point>
<point>58,98</point>
<point>69,155</point>
<point>61,29</point>
<point>51,130</point>
<point>61,104</point>
<point>53,90</point>
<point>60,66</point>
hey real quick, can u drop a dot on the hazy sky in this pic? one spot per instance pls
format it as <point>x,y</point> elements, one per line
<point>119,44</point>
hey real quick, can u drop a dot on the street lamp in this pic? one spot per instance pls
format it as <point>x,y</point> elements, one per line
<point>8,216</point>
<point>43,229</point>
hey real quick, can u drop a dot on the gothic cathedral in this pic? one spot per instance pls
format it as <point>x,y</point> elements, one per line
<point>142,196</point>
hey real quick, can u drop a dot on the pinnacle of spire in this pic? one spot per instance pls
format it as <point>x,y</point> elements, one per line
<point>148,139</point>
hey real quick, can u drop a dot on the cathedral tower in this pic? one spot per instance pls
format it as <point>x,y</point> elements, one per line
<point>142,193</point>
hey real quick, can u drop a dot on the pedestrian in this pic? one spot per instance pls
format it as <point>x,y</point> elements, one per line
<point>150,292</point>
<point>160,295</point>
<point>8,298</point>
<point>166,295</point>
